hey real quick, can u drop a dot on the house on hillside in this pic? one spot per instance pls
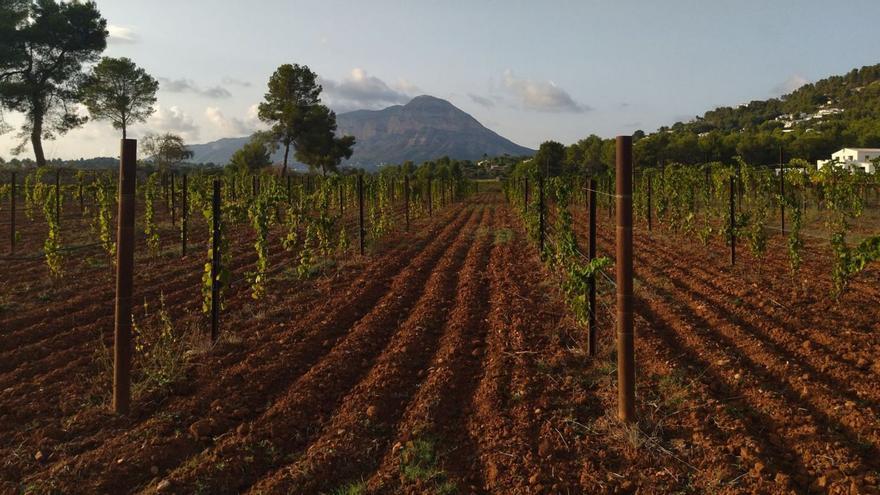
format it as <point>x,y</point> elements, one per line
<point>854,159</point>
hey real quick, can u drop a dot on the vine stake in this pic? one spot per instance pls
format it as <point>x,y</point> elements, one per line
<point>184,215</point>
<point>12,214</point>
<point>732,221</point>
<point>360,191</point>
<point>591,281</point>
<point>215,262</point>
<point>124,276</point>
<point>626,379</point>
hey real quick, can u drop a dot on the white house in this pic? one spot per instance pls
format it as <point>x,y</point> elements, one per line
<point>854,159</point>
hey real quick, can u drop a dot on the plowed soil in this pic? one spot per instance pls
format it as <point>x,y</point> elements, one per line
<point>447,362</point>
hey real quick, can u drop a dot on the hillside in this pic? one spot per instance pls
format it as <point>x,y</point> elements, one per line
<point>423,129</point>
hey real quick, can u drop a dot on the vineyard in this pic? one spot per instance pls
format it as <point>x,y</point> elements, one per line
<point>403,332</point>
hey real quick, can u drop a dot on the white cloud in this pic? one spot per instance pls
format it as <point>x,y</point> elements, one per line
<point>794,82</point>
<point>362,91</point>
<point>173,119</point>
<point>121,35</point>
<point>188,86</point>
<point>542,96</point>
<point>230,127</point>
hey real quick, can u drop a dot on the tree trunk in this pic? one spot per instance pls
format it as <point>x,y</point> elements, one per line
<point>37,141</point>
<point>284,167</point>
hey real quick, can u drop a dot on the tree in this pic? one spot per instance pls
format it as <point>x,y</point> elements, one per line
<point>44,47</point>
<point>293,92</point>
<point>166,150</point>
<point>550,158</point>
<point>119,91</point>
<point>251,157</point>
<point>317,145</point>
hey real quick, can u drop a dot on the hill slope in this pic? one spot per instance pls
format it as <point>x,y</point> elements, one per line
<point>423,129</point>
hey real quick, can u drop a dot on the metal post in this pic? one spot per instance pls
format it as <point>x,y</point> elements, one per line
<point>58,197</point>
<point>253,186</point>
<point>215,262</point>
<point>406,200</point>
<point>341,198</point>
<point>650,214</point>
<point>124,277</point>
<point>732,221</point>
<point>591,280</point>
<point>430,199</point>
<point>527,193</point>
<point>12,214</point>
<point>184,216</point>
<point>541,214</point>
<point>173,204</point>
<point>360,192</point>
<point>626,390</point>
<point>82,206</point>
<point>782,190</point>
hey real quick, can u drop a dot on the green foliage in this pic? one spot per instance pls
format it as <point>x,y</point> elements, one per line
<point>101,223</point>
<point>119,91</point>
<point>160,349</point>
<point>165,150</point>
<point>419,462</point>
<point>252,157</point>
<point>52,245</point>
<point>45,44</point>
<point>151,230</point>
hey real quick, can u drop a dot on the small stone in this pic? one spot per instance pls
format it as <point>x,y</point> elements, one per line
<point>371,412</point>
<point>782,479</point>
<point>163,485</point>
<point>39,456</point>
<point>154,470</point>
<point>759,468</point>
<point>537,411</point>
<point>533,479</point>
<point>396,447</point>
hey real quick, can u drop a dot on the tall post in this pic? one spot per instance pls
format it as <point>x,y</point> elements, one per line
<point>58,197</point>
<point>253,186</point>
<point>12,214</point>
<point>430,199</point>
<point>541,214</point>
<point>184,215</point>
<point>650,213</point>
<point>341,198</point>
<point>82,206</point>
<point>124,278</point>
<point>173,203</point>
<point>782,191</point>
<point>215,262</point>
<point>591,280</point>
<point>360,193</point>
<point>526,185</point>
<point>406,199</point>
<point>626,380</point>
<point>732,221</point>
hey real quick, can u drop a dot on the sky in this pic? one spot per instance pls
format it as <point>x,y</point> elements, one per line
<point>531,71</point>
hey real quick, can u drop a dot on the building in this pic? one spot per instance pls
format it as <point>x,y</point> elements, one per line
<point>862,159</point>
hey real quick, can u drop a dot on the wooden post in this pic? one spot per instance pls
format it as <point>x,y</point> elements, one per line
<point>732,221</point>
<point>215,262</point>
<point>406,200</point>
<point>626,390</point>
<point>124,278</point>
<point>360,192</point>
<point>184,215</point>
<point>591,280</point>
<point>12,214</point>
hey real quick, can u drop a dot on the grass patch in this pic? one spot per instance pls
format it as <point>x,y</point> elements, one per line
<point>503,236</point>
<point>419,463</point>
<point>673,389</point>
<point>353,488</point>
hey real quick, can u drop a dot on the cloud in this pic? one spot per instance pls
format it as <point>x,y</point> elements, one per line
<point>121,35</point>
<point>232,126</point>
<point>173,119</point>
<point>481,100</point>
<point>793,82</point>
<point>188,86</point>
<point>231,81</point>
<point>542,96</point>
<point>362,91</point>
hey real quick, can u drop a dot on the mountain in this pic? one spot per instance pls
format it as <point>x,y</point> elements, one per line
<point>425,128</point>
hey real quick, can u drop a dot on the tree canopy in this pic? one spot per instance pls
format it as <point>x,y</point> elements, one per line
<point>119,91</point>
<point>43,47</point>
<point>165,150</point>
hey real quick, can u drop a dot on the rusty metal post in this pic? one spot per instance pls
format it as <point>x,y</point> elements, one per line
<point>173,203</point>
<point>591,280</point>
<point>626,382</point>
<point>406,199</point>
<point>184,215</point>
<point>650,213</point>
<point>541,215</point>
<point>732,221</point>
<point>360,193</point>
<point>782,190</point>
<point>430,199</point>
<point>12,214</point>
<point>124,278</point>
<point>215,261</point>
<point>58,197</point>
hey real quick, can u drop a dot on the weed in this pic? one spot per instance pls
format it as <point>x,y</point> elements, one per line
<point>353,488</point>
<point>419,463</point>
<point>503,236</point>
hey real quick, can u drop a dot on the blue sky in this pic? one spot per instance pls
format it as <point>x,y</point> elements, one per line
<point>529,70</point>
